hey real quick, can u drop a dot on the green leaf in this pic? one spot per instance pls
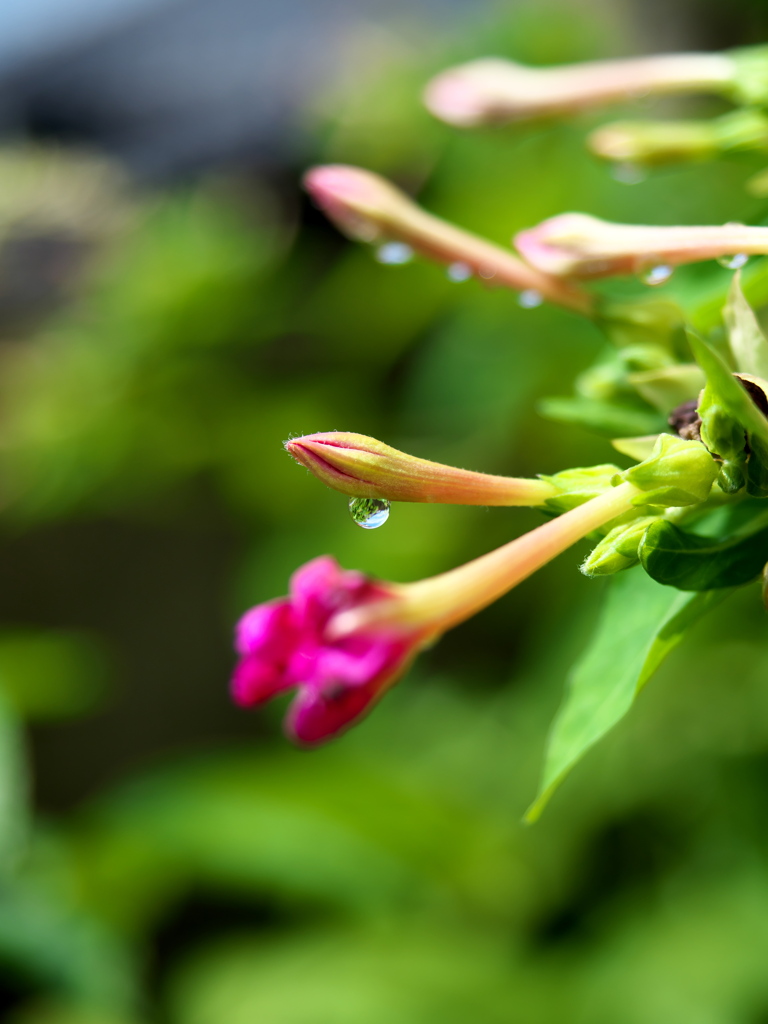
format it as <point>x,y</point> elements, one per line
<point>641,623</point>
<point>690,562</point>
<point>748,343</point>
<point>602,417</point>
<point>13,791</point>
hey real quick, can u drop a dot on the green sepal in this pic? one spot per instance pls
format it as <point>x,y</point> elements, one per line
<point>677,473</point>
<point>575,486</point>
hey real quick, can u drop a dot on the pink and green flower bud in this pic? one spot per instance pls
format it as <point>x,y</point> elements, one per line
<point>618,550</point>
<point>577,245</point>
<point>363,467</point>
<point>655,143</point>
<point>492,91</point>
<point>677,473</point>
<point>368,208</point>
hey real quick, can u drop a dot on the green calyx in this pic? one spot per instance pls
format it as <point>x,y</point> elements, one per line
<point>618,549</point>
<point>677,473</point>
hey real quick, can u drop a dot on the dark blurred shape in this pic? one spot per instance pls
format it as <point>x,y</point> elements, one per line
<point>175,85</point>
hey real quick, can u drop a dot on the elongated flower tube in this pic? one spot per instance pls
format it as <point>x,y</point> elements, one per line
<point>577,245</point>
<point>363,467</point>
<point>367,207</point>
<point>652,143</point>
<point>494,90</point>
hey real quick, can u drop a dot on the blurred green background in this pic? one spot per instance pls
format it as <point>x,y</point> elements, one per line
<point>167,858</point>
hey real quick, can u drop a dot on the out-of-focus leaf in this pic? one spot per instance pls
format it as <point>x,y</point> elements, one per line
<point>748,343</point>
<point>13,790</point>
<point>46,940</point>
<point>670,386</point>
<point>690,562</point>
<point>410,975</point>
<point>641,622</point>
<point>46,674</point>
<point>602,417</point>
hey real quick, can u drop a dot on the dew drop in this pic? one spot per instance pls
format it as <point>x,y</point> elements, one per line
<point>459,272</point>
<point>394,253</point>
<point>658,274</point>
<point>530,298</point>
<point>628,174</point>
<point>733,262</point>
<point>370,513</point>
<point>487,273</point>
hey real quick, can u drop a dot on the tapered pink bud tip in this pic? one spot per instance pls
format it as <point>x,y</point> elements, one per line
<point>453,98</point>
<point>338,183</point>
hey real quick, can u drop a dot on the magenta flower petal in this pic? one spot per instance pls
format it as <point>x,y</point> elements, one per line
<point>255,681</point>
<point>316,715</point>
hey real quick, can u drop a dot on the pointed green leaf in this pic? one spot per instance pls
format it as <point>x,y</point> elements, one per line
<point>748,343</point>
<point>641,623</point>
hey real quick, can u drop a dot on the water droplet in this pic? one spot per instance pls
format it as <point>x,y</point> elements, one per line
<point>628,174</point>
<point>487,273</point>
<point>459,272</point>
<point>370,513</point>
<point>733,262</point>
<point>658,274</point>
<point>394,253</point>
<point>530,299</point>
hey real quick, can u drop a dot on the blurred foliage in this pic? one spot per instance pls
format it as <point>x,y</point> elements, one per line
<point>204,880</point>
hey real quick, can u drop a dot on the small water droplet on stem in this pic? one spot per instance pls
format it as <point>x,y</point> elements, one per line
<point>530,298</point>
<point>459,272</point>
<point>394,253</point>
<point>657,274</point>
<point>735,262</point>
<point>628,174</point>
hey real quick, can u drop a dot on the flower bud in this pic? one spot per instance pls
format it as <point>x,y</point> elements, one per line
<point>363,467</point>
<point>618,549</point>
<point>677,473</point>
<point>577,245</point>
<point>368,208</point>
<point>494,90</point>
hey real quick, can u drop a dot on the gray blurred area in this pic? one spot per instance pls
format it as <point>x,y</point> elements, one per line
<point>170,86</point>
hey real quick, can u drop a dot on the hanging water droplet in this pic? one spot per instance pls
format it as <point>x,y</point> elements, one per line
<point>370,513</point>
<point>658,274</point>
<point>487,273</point>
<point>628,174</point>
<point>459,272</point>
<point>394,253</point>
<point>530,298</point>
<point>733,262</point>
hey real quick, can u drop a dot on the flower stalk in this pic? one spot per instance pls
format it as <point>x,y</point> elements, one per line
<point>368,208</point>
<point>577,245</point>
<point>363,467</point>
<point>495,91</point>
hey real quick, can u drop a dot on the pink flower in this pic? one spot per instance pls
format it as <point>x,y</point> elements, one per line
<point>342,639</point>
<point>285,644</point>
